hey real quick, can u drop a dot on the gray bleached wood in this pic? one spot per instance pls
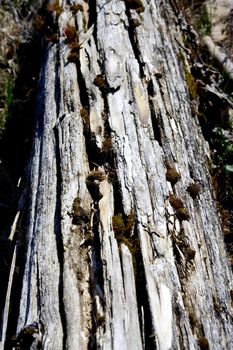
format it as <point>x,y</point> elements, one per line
<point>80,286</point>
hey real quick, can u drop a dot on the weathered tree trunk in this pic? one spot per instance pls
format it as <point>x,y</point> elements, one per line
<point>113,258</point>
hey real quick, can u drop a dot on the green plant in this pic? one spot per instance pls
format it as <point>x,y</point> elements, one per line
<point>121,226</point>
<point>203,22</point>
<point>191,83</point>
<point>118,224</point>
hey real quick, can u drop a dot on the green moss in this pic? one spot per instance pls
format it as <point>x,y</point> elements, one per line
<point>133,245</point>
<point>203,343</point>
<point>203,22</point>
<point>182,214</point>
<point>121,226</point>
<point>118,224</point>
<point>191,83</point>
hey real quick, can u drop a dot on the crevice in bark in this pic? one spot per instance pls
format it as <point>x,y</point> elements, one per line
<point>57,215</point>
<point>155,124</point>
<point>96,279</point>
<point>133,40</point>
<point>143,302</point>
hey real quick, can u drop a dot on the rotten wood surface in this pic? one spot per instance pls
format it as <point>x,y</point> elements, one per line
<point>110,262</point>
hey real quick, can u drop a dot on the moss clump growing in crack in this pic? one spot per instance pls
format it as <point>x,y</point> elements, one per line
<point>121,226</point>
<point>180,211</point>
<point>190,253</point>
<point>182,214</point>
<point>172,174</point>
<point>137,5</point>
<point>25,338</point>
<point>78,213</point>
<point>75,8</point>
<point>193,321</point>
<point>100,81</point>
<point>203,343</point>
<point>107,145</point>
<point>118,224</point>
<point>96,175</point>
<point>73,57</point>
<point>71,34</point>
<point>123,229</point>
<point>175,202</point>
<point>193,190</point>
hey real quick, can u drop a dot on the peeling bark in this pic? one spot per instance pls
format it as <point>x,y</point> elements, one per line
<point>158,278</point>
